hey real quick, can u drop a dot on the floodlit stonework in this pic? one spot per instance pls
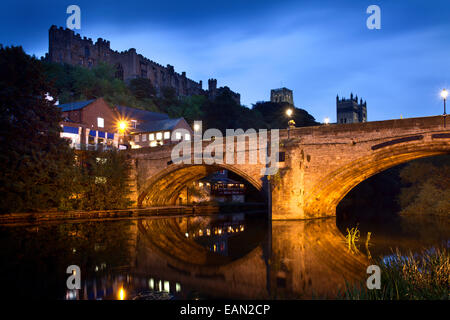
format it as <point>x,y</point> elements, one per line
<point>318,165</point>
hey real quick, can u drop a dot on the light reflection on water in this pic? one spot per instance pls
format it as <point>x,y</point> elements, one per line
<point>224,256</point>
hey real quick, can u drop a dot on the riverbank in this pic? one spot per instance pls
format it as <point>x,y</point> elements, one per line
<point>424,276</point>
<point>163,211</point>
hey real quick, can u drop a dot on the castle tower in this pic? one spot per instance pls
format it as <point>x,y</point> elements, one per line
<point>350,111</point>
<point>282,95</point>
<point>212,88</point>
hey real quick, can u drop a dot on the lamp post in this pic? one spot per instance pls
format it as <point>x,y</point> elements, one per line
<point>291,122</point>
<point>122,127</point>
<point>444,94</point>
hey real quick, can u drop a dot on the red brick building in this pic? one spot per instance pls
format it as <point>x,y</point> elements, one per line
<point>92,124</point>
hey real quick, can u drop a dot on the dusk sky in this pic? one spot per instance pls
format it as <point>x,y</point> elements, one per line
<point>316,48</point>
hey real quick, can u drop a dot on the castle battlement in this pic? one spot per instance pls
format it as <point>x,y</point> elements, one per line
<point>66,46</point>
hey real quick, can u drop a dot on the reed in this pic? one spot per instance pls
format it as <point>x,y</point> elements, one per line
<point>408,277</point>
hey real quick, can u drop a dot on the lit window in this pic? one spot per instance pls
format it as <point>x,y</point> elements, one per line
<point>133,123</point>
<point>100,122</point>
<point>151,283</point>
<point>136,138</point>
<point>187,136</point>
<point>178,135</point>
<point>100,180</point>
<point>167,135</point>
<point>166,286</point>
<point>151,137</point>
<point>144,137</point>
<point>153,144</point>
<point>158,135</point>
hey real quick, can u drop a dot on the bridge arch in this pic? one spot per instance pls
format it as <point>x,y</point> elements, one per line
<point>165,187</point>
<point>331,189</point>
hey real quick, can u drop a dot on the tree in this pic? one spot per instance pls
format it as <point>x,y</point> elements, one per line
<point>142,88</point>
<point>274,114</point>
<point>102,181</point>
<point>36,163</point>
<point>427,186</point>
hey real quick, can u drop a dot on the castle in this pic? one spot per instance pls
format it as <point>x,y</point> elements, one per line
<point>350,111</point>
<point>67,47</point>
<point>282,95</point>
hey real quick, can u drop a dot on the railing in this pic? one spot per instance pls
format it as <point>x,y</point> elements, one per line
<point>92,147</point>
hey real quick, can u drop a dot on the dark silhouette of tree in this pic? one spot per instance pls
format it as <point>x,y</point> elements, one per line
<point>142,88</point>
<point>274,114</point>
<point>36,163</point>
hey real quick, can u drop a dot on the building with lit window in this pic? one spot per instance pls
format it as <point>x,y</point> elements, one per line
<point>151,129</point>
<point>95,125</point>
<point>219,187</point>
<point>89,125</point>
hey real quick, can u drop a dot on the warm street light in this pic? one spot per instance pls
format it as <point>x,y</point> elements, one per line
<point>291,122</point>
<point>326,120</point>
<point>122,126</point>
<point>444,94</point>
<point>196,127</point>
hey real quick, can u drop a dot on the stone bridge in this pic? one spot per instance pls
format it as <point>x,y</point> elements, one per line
<point>317,165</point>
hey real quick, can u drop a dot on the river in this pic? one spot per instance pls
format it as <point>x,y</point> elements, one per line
<point>243,256</point>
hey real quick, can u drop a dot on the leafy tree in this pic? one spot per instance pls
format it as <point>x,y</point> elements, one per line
<point>142,88</point>
<point>36,163</point>
<point>102,181</point>
<point>427,189</point>
<point>274,114</point>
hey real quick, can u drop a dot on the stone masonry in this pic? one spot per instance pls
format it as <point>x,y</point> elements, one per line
<point>318,165</point>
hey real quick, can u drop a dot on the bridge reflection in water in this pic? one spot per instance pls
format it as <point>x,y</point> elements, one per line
<point>237,257</point>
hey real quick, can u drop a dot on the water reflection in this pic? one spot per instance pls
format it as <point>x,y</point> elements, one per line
<point>222,256</point>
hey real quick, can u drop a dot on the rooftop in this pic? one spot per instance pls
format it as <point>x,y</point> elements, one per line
<point>158,125</point>
<point>71,106</point>
<point>138,114</point>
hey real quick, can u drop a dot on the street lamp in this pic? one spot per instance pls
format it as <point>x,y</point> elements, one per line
<point>196,127</point>
<point>122,125</point>
<point>326,120</point>
<point>291,123</point>
<point>444,94</point>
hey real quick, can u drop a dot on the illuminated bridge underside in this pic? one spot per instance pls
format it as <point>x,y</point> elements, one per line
<point>167,185</point>
<point>321,164</point>
<point>335,185</point>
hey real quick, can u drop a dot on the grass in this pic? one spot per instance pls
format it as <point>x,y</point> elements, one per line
<point>410,277</point>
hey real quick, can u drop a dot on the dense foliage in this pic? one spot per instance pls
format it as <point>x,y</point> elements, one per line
<point>427,187</point>
<point>75,83</point>
<point>408,277</point>
<point>35,162</point>
<point>101,182</point>
<point>38,167</point>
